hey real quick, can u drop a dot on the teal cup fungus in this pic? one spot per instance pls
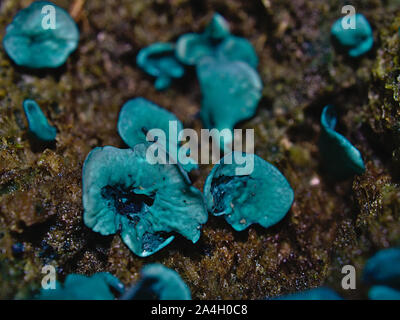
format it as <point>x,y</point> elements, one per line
<point>158,282</point>
<point>218,28</point>
<point>383,267</point>
<point>383,293</point>
<point>38,123</point>
<point>81,287</point>
<point>31,41</point>
<point>215,41</point>
<point>383,271</point>
<point>339,156</point>
<point>126,191</point>
<point>231,91</point>
<point>259,194</point>
<point>138,116</point>
<point>235,48</point>
<point>159,61</point>
<point>354,41</point>
<point>191,47</point>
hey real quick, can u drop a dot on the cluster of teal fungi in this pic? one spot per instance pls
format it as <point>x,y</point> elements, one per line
<point>339,156</point>
<point>382,271</point>
<point>158,283</point>
<point>31,41</point>
<point>38,123</point>
<point>127,191</point>
<point>225,64</point>
<point>261,195</point>
<point>216,41</point>
<point>226,69</point>
<point>159,61</point>
<point>354,41</point>
<point>321,293</point>
<point>100,286</point>
<point>138,116</point>
<point>148,202</point>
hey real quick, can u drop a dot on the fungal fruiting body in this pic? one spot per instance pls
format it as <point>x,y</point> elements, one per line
<point>159,61</point>
<point>38,123</point>
<point>32,42</point>
<point>127,191</point>
<point>355,40</point>
<point>235,48</point>
<point>218,28</point>
<point>192,47</point>
<point>383,293</point>
<point>139,116</point>
<point>81,287</point>
<point>158,282</point>
<point>383,267</point>
<point>340,157</point>
<point>262,195</point>
<point>230,90</point>
<point>383,271</point>
<point>215,41</point>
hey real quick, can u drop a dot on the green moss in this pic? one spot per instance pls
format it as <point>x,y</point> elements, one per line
<point>38,123</point>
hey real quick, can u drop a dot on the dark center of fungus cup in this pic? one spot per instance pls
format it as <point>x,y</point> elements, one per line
<point>127,202</point>
<point>222,190</point>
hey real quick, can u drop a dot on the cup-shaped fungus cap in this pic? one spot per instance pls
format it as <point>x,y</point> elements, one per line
<point>321,293</point>
<point>215,41</point>
<point>383,268</point>
<point>42,35</point>
<point>192,47</point>
<point>158,282</point>
<point>247,189</point>
<point>81,287</point>
<point>340,157</point>
<point>138,116</point>
<point>127,191</point>
<point>354,41</point>
<point>37,121</point>
<point>159,61</point>
<point>218,28</point>
<point>237,49</point>
<point>230,91</point>
<point>383,293</point>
